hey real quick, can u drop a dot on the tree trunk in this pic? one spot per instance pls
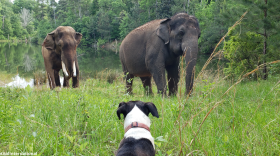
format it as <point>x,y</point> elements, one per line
<point>184,6</point>
<point>149,14</point>
<point>6,59</point>
<point>3,20</point>
<point>264,47</point>
<point>264,53</point>
<point>188,6</point>
<point>54,17</point>
<point>80,11</point>
<point>156,10</point>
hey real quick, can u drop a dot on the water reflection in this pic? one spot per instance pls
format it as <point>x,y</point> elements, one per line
<point>20,58</point>
<point>93,61</point>
<point>20,82</point>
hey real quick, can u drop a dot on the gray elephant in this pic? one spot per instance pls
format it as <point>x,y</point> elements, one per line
<point>59,52</point>
<point>154,47</point>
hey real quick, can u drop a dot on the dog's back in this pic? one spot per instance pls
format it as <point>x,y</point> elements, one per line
<point>138,140</point>
<point>135,147</point>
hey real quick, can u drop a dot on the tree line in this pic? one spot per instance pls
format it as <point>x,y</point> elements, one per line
<point>253,42</point>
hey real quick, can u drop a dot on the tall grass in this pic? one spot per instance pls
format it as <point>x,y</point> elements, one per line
<point>83,121</point>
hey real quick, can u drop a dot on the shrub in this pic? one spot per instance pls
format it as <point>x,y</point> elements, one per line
<point>244,53</point>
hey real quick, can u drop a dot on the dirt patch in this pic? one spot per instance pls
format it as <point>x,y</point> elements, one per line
<point>2,84</point>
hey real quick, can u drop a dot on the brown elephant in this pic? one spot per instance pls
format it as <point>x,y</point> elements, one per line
<point>154,47</point>
<point>59,52</point>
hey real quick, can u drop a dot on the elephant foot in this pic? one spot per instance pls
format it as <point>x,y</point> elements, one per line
<point>172,94</point>
<point>188,93</point>
<point>129,93</point>
<point>149,93</point>
<point>162,92</point>
<point>129,89</point>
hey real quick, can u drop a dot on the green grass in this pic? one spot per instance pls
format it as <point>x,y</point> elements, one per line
<point>83,121</point>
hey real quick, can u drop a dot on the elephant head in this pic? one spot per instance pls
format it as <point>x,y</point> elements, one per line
<point>64,41</point>
<point>181,33</point>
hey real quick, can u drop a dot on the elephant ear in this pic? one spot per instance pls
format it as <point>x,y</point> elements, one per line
<point>163,31</point>
<point>49,41</point>
<point>78,37</point>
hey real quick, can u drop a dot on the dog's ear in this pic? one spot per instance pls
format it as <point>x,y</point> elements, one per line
<point>122,109</point>
<point>152,108</point>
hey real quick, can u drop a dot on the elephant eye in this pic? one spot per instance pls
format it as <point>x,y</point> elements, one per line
<point>180,34</point>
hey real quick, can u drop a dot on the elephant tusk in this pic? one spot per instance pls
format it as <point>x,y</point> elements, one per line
<point>64,69</point>
<point>185,49</point>
<point>74,69</point>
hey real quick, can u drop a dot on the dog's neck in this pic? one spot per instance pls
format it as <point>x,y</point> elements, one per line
<point>136,115</point>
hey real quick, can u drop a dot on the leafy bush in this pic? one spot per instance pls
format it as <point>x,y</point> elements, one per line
<point>244,53</point>
<point>100,42</point>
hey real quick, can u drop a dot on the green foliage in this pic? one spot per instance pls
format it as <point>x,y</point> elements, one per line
<point>254,43</point>
<point>113,19</point>
<point>213,23</point>
<point>101,42</point>
<point>30,28</point>
<point>125,24</point>
<point>44,28</point>
<point>244,54</point>
<point>19,4</point>
<point>12,26</point>
<point>16,26</point>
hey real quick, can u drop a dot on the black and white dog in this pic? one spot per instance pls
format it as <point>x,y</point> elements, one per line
<point>138,140</point>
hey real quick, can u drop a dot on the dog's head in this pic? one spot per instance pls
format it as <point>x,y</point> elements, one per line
<point>145,107</point>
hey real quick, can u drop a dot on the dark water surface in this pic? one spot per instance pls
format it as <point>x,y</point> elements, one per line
<point>22,60</point>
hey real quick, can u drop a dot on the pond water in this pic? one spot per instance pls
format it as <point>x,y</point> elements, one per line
<point>20,61</point>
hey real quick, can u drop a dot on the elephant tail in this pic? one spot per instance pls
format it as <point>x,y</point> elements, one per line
<point>121,55</point>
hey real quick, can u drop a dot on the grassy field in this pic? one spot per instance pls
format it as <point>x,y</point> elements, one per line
<point>219,118</point>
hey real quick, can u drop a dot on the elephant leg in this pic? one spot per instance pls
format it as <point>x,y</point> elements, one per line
<point>147,85</point>
<point>159,78</point>
<point>50,72</point>
<point>129,81</point>
<point>75,80</point>
<point>56,77</point>
<point>173,77</point>
<point>65,81</point>
<point>51,79</point>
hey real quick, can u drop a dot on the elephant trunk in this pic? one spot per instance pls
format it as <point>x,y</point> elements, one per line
<point>190,49</point>
<point>69,66</point>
